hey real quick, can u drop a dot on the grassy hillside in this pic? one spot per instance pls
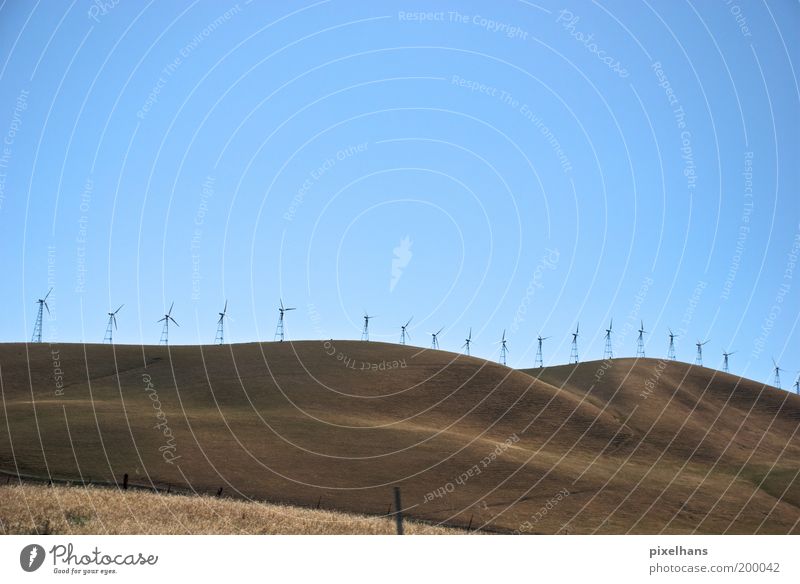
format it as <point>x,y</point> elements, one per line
<point>342,422</point>
<point>38,509</point>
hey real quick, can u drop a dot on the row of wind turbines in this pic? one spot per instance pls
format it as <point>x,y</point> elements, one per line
<point>405,335</point>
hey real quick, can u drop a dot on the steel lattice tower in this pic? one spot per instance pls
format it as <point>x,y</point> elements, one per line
<point>671,350</point>
<point>573,356</point>
<point>112,322</point>
<point>539,359</point>
<point>279,329</point>
<point>37,327</point>
<point>608,353</point>
<point>365,331</point>
<point>640,341</point>
<point>503,349</point>
<point>404,333</point>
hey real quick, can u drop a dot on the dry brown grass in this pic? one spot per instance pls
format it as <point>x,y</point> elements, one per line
<point>42,509</point>
<point>641,446</point>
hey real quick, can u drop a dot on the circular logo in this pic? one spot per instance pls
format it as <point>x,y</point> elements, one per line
<point>31,557</point>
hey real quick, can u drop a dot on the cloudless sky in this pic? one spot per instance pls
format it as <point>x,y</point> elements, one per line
<point>494,165</point>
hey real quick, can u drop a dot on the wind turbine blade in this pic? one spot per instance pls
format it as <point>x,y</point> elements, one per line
<point>173,320</point>
<point>48,294</point>
<point>224,310</point>
<point>118,309</point>
<point>170,307</point>
<point>47,307</point>
<point>160,319</point>
<point>114,318</point>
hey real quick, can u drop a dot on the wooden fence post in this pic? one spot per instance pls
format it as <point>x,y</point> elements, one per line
<point>398,511</point>
<point>219,493</point>
<point>125,482</point>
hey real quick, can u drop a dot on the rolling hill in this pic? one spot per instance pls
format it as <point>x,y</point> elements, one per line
<point>639,446</point>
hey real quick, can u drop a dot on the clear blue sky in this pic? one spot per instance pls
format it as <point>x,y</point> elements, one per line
<point>523,166</point>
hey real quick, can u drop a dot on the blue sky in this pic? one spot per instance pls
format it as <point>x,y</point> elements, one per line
<point>506,165</point>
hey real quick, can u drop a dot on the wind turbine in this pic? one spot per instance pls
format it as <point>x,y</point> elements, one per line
<point>725,360</point>
<point>112,319</point>
<point>609,353</point>
<point>435,339</point>
<point>503,348</point>
<point>539,360</point>
<point>365,332</point>
<point>778,370</point>
<point>165,331</point>
<point>699,359</point>
<point>797,385</point>
<point>640,341</point>
<point>37,328</point>
<point>573,356</point>
<point>219,339</point>
<point>467,342</point>
<point>279,329</point>
<point>404,333</point>
<point>671,351</point>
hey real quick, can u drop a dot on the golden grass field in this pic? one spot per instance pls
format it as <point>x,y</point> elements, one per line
<point>77,510</point>
<point>627,446</point>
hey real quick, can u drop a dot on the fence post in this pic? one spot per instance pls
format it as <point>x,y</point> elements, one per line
<point>398,508</point>
<point>219,493</point>
<point>125,482</point>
